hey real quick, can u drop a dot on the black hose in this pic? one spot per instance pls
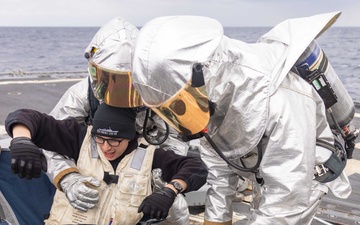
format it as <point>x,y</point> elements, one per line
<point>230,163</point>
<point>337,126</point>
<point>167,130</point>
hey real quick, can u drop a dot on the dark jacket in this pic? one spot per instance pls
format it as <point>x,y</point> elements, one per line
<point>66,137</point>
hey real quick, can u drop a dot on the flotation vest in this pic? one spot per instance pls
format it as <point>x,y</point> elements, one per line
<point>118,201</point>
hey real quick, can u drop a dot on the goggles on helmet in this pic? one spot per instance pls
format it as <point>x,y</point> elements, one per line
<point>188,110</point>
<point>114,87</point>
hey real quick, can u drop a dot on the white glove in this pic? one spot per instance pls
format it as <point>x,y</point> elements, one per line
<point>78,191</point>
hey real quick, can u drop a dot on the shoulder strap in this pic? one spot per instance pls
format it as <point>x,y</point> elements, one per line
<point>93,102</point>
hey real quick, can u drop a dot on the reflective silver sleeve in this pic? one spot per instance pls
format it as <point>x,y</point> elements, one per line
<point>74,103</point>
<point>58,166</point>
<point>223,182</point>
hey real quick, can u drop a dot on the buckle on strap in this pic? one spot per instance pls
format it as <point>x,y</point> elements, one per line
<point>320,170</point>
<point>331,169</point>
<point>108,178</point>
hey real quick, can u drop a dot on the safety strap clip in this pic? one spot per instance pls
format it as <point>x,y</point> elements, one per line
<point>320,170</point>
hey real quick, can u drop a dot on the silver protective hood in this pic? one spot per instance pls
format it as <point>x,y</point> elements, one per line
<point>239,76</point>
<point>109,54</point>
<point>112,45</point>
<point>166,51</point>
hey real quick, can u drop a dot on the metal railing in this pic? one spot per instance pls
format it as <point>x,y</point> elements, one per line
<point>21,73</point>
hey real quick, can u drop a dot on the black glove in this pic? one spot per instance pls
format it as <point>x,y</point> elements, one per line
<point>157,204</point>
<point>26,158</point>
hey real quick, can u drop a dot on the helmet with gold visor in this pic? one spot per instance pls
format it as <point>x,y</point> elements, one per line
<point>109,56</point>
<point>169,69</point>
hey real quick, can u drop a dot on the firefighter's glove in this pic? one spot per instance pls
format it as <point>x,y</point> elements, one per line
<point>26,158</point>
<point>80,190</point>
<point>157,204</point>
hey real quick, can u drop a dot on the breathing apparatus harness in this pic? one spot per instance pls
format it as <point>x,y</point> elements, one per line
<point>326,172</point>
<point>334,166</point>
<point>93,103</point>
<point>318,80</point>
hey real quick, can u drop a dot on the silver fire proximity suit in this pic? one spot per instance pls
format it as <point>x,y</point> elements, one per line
<point>257,103</point>
<point>110,48</point>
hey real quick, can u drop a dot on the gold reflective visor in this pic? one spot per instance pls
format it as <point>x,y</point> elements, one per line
<point>114,87</point>
<point>187,111</point>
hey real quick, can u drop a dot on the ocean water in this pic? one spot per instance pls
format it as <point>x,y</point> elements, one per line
<point>33,49</point>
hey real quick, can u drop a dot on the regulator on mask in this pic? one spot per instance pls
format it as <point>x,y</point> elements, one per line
<point>315,68</point>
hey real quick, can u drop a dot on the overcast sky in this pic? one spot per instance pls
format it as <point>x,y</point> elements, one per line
<point>95,13</point>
